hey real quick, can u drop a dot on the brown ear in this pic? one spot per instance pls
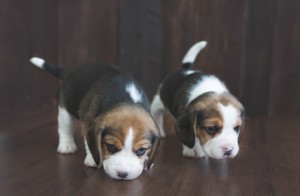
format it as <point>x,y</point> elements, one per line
<point>185,129</point>
<point>93,139</point>
<point>155,143</point>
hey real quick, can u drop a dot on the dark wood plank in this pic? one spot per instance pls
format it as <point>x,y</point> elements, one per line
<point>268,163</point>
<point>141,42</point>
<point>285,68</point>
<point>28,28</point>
<point>87,31</point>
<point>13,25</point>
<point>40,87</point>
<point>257,55</point>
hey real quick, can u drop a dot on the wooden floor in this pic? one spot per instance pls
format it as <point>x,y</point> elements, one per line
<point>268,163</point>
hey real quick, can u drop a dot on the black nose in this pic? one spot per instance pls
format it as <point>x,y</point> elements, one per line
<point>227,153</point>
<point>122,174</point>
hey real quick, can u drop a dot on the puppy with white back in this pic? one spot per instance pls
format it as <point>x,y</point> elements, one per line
<point>119,133</point>
<point>208,118</point>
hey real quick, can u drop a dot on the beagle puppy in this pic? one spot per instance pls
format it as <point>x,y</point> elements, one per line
<point>119,132</point>
<point>208,118</point>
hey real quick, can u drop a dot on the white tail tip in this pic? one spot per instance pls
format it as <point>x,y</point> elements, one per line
<point>39,62</point>
<point>193,52</point>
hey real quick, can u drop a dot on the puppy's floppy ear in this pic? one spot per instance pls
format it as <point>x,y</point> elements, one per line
<point>155,141</point>
<point>185,128</point>
<point>93,138</point>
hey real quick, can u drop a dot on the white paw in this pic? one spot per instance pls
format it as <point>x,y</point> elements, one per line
<point>187,152</point>
<point>190,152</point>
<point>65,147</point>
<point>162,133</point>
<point>89,161</point>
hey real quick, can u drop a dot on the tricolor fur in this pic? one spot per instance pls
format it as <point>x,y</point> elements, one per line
<point>208,118</point>
<point>119,132</point>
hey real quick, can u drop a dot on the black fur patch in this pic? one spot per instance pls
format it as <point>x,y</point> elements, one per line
<point>96,88</point>
<point>54,70</point>
<point>173,92</point>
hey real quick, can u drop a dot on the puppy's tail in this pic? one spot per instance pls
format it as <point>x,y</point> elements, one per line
<point>192,53</point>
<point>53,69</point>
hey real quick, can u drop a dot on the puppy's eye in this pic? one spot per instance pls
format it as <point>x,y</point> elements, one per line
<point>212,130</point>
<point>111,148</point>
<point>140,151</point>
<point>237,128</point>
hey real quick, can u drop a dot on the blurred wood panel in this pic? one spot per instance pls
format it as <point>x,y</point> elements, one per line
<point>245,49</point>
<point>252,45</point>
<point>285,72</point>
<point>27,29</point>
<point>88,31</point>
<point>191,21</point>
<point>257,55</point>
<point>141,42</point>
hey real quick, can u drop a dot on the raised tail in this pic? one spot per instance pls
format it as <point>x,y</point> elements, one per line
<point>190,56</point>
<point>53,69</point>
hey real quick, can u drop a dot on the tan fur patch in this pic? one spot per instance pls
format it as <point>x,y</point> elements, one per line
<point>118,121</point>
<point>210,114</point>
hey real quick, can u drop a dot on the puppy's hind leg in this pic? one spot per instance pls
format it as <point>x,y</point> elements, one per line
<point>157,111</point>
<point>65,132</point>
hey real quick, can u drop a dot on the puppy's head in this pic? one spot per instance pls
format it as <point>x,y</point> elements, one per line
<point>217,120</point>
<point>126,140</point>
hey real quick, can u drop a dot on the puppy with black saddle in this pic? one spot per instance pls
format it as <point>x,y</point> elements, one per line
<point>209,118</point>
<point>119,133</point>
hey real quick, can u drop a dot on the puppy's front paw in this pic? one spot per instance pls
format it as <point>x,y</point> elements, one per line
<point>66,147</point>
<point>89,161</point>
<point>162,133</point>
<point>188,152</point>
<point>192,152</point>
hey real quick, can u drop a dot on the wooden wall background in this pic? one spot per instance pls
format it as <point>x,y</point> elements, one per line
<point>253,45</point>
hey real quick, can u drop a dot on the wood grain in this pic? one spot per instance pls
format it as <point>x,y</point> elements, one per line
<point>268,163</point>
